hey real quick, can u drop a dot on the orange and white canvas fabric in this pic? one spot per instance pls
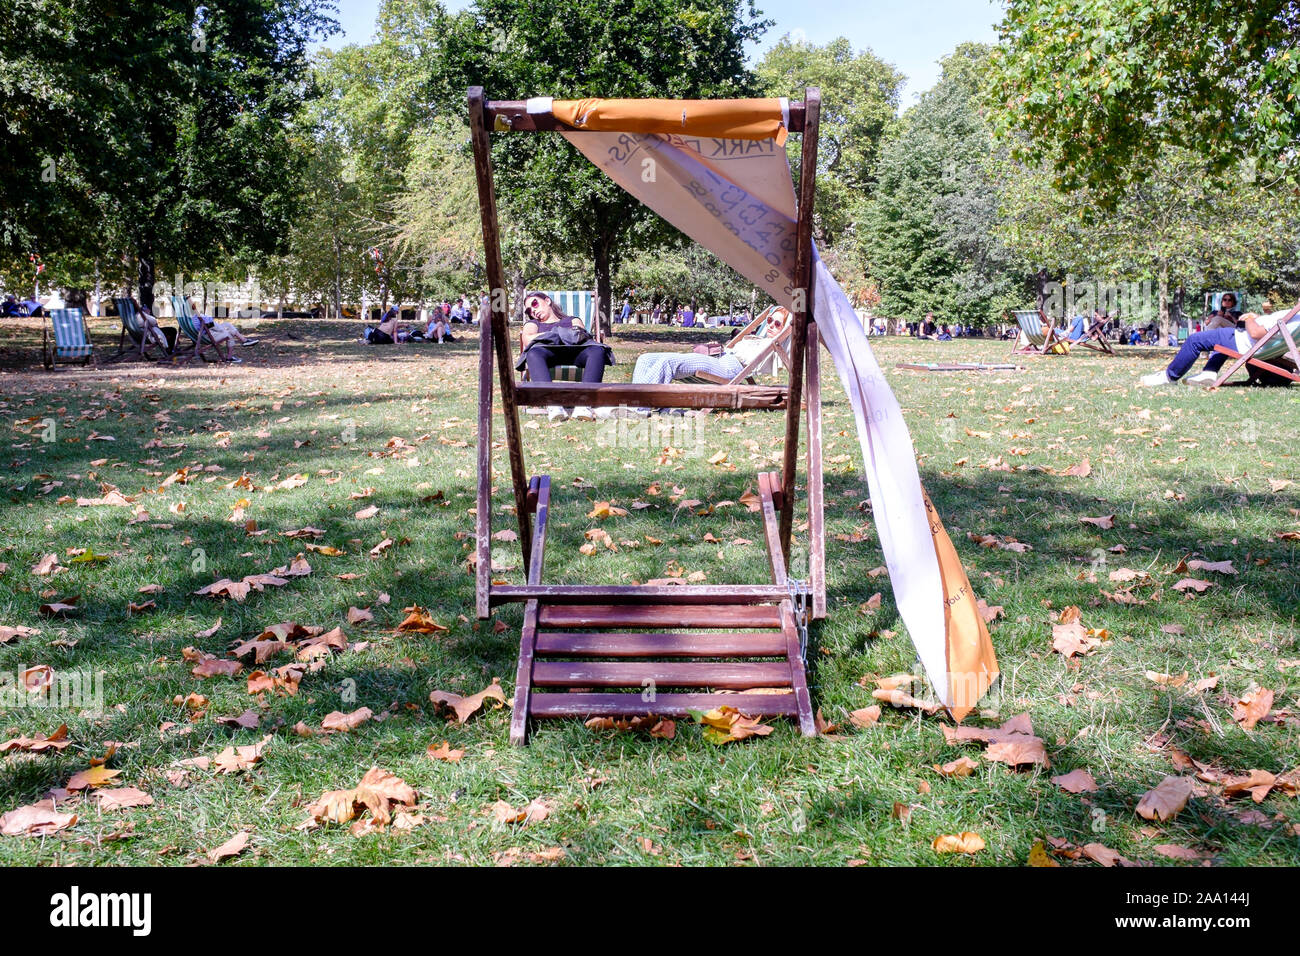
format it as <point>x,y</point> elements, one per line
<point>727,185</point>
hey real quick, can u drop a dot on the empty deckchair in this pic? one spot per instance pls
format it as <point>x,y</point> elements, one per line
<point>145,335</point>
<point>1037,334</point>
<point>195,328</point>
<point>1264,356</point>
<point>66,339</point>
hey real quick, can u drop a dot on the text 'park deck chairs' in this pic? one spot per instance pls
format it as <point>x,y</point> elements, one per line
<point>195,329</point>
<point>723,179</point>
<point>65,338</point>
<point>1264,355</point>
<point>145,336</point>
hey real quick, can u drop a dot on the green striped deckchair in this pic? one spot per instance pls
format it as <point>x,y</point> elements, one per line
<point>66,339</point>
<point>197,332</point>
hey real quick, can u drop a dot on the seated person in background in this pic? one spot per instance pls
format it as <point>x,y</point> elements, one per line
<point>945,334</point>
<point>388,331</point>
<point>439,328</point>
<point>1239,340</point>
<point>928,327</point>
<point>1078,328</point>
<point>1227,316</point>
<point>155,330</point>
<point>660,368</point>
<point>11,308</point>
<point>551,338</point>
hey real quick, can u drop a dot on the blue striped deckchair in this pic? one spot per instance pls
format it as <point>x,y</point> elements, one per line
<point>195,328</point>
<point>71,340</point>
<point>1264,354</point>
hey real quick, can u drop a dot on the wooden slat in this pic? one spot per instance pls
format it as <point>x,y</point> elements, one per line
<point>768,482</point>
<point>639,593</point>
<point>513,116</point>
<point>1259,363</point>
<point>646,674</point>
<point>606,394</point>
<point>803,282</point>
<point>732,644</point>
<point>664,705</point>
<point>660,615</point>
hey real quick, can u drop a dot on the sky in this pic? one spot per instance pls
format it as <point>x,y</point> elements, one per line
<point>910,34</point>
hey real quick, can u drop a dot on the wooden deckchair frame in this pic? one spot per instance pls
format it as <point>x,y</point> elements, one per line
<point>1247,357</point>
<point>1051,337</point>
<point>586,621</point>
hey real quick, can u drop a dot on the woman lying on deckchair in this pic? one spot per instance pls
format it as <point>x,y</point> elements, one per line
<point>550,339</point>
<point>224,335</point>
<point>713,360</point>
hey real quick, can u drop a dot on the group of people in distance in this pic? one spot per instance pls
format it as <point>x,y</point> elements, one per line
<point>550,339</point>
<point>390,330</point>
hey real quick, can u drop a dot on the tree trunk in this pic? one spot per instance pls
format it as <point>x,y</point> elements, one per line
<point>1041,282</point>
<point>1164,300</point>
<point>144,273</point>
<point>604,279</point>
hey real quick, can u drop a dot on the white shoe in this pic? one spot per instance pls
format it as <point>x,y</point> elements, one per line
<point>1155,379</point>
<point>556,414</point>
<point>583,414</point>
<point>1203,378</point>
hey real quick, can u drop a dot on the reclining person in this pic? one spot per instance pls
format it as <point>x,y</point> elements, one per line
<point>551,338</point>
<point>660,368</point>
<point>1239,340</point>
<point>222,333</point>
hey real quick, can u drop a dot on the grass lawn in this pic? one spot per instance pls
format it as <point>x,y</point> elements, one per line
<point>1185,473</point>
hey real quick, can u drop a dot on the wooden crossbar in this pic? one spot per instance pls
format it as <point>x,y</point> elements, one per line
<point>606,394</point>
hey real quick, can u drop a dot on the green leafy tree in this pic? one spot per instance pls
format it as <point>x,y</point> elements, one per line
<point>1102,88</point>
<point>165,126</point>
<point>1180,227</point>
<point>860,97</point>
<point>926,235</point>
<point>576,48</point>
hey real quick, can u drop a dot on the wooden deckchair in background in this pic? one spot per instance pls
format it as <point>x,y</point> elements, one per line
<point>592,650</point>
<point>1265,353</point>
<point>142,335</point>
<point>1040,335</point>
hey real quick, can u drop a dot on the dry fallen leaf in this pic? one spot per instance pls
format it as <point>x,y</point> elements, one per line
<point>1252,708</point>
<point>236,845</point>
<point>1166,801</point>
<point>444,752</point>
<point>1076,781</point>
<point>966,842</point>
<point>39,819</point>
<point>462,708</point>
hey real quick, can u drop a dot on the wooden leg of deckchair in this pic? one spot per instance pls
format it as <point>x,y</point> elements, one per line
<point>768,485</point>
<point>541,486</point>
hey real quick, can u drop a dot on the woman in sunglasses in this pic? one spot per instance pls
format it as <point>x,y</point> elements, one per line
<point>551,338</point>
